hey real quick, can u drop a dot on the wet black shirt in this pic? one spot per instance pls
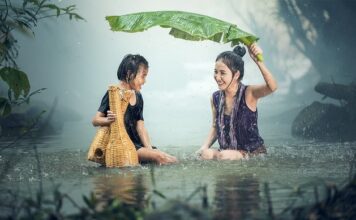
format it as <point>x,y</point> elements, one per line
<point>132,115</point>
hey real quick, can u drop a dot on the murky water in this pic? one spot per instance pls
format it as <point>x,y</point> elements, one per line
<point>238,189</point>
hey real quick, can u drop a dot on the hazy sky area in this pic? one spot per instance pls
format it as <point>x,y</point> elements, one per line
<point>76,61</point>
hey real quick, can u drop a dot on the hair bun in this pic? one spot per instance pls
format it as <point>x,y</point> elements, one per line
<point>240,50</point>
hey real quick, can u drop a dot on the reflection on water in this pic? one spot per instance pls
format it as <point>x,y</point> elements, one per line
<point>129,188</point>
<point>236,197</point>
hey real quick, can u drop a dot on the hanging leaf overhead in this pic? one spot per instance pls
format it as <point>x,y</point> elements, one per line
<point>184,25</point>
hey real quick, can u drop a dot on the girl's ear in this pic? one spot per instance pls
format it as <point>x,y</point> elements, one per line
<point>237,75</point>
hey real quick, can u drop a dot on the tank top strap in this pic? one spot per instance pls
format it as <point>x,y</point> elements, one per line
<point>216,99</point>
<point>243,96</point>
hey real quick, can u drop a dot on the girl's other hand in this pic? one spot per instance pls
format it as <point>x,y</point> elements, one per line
<point>200,150</point>
<point>254,50</point>
<point>110,117</point>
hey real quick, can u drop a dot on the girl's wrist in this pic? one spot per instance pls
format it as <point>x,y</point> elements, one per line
<point>204,147</point>
<point>106,122</point>
<point>260,64</point>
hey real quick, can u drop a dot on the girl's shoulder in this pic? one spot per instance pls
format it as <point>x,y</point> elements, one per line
<point>138,94</point>
<point>216,93</point>
<point>139,98</point>
<point>245,87</point>
<point>216,97</point>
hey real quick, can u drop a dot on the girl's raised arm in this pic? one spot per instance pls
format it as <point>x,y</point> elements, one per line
<point>270,85</point>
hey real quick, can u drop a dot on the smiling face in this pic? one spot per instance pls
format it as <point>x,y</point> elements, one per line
<point>223,75</point>
<point>140,79</point>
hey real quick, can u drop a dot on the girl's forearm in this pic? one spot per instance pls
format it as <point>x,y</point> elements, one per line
<point>210,139</point>
<point>267,76</point>
<point>100,121</point>
<point>143,134</point>
<point>146,140</point>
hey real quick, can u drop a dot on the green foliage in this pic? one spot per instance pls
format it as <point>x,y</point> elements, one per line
<point>64,11</point>
<point>5,106</point>
<point>18,89</point>
<point>22,18</point>
<point>184,25</point>
<point>16,80</point>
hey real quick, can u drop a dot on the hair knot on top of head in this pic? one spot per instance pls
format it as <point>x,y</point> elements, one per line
<point>239,50</point>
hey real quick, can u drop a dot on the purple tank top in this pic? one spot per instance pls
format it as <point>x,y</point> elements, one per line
<point>238,131</point>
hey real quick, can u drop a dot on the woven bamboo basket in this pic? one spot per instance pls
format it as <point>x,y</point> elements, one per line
<point>98,145</point>
<point>120,151</point>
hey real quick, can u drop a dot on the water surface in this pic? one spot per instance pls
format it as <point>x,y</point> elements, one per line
<point>234,188</point>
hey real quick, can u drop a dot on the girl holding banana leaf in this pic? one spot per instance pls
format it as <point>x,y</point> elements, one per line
<point>234,107</point>
<point>132,75</point>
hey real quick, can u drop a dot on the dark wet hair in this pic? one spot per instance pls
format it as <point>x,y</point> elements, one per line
<point>129,67</point>
<point>233,60</point>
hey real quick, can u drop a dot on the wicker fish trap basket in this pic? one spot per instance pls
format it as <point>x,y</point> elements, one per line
<point>112,145</point>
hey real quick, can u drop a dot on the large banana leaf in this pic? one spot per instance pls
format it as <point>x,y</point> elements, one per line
<point>184,25</point>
